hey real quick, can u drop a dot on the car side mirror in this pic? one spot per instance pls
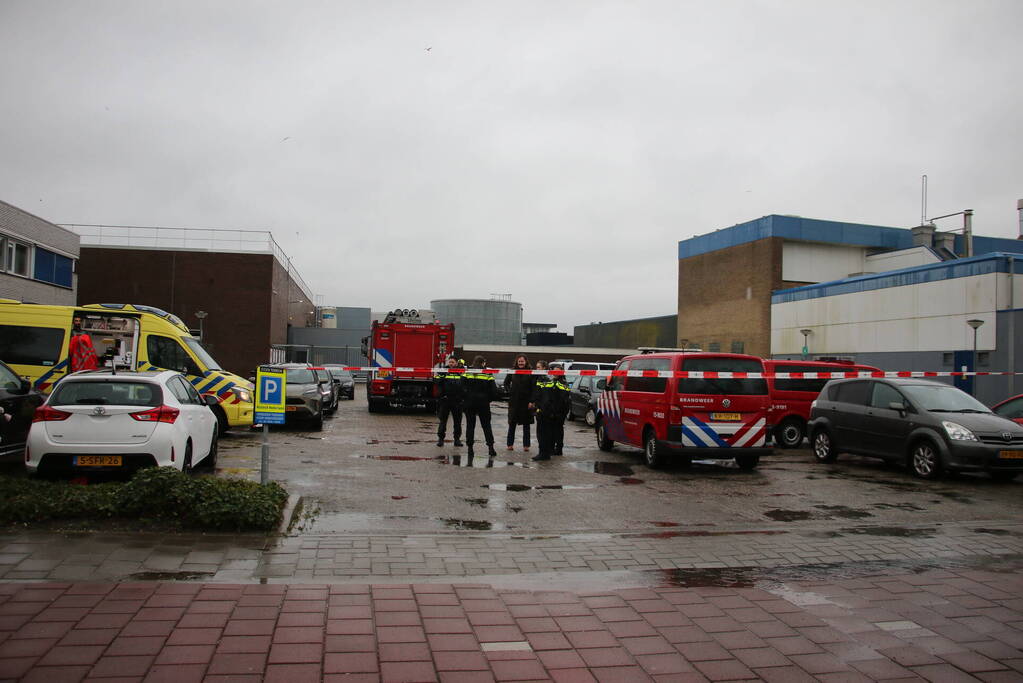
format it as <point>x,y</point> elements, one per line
<point>24,386</point>
<point>602,384</point>
<point>584,390</point>
<point>210,400</point>
<point>899,406</point>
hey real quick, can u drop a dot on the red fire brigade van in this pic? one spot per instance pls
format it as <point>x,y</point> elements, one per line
<point>791,397</point>
<point>715,415</point>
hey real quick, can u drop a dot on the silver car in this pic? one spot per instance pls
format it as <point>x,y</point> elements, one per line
<point>308,395</point>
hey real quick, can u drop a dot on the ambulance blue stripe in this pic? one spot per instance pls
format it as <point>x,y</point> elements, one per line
<point>711,433</point>
<point>226,388</point>
<point>686,431</point>
<point>206,387</point>
<point>49,373</point>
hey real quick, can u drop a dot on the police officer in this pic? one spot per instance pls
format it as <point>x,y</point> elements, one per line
<point>551,402</point>
<point>450,396</point>
<point>480,390</point>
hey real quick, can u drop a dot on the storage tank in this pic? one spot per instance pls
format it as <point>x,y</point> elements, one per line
<point>328,317</point>
<point>482,321</point>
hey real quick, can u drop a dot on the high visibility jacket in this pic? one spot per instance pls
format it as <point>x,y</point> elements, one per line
<point>450,387</point>
<point>480,388</point>
<point>551,398</point>
<point>82,352</point>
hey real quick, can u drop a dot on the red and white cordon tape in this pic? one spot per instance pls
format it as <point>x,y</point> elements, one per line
<point>693,374</point>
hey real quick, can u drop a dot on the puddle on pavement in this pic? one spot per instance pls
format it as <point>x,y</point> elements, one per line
<point>701,532</point>
<point>472,525</point>
<point>477,461</point>
<point>844,512</point>
<point>788,515</point>
<point>995,532</point>
<point>613,469</point>
<point>909,507</point>
<point>402,458</point>
<point>774,579</point>
<point>889,531</point>
<point>170,576</point>
<point>544,487</point>
<point>492,504</point>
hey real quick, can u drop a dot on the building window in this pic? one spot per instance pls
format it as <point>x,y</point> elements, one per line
<point>947,359</point>
<point>53,268</point>
<point>16,257</point>
<point>738,346</point>
<point>983,358</point>
<point>714,346</point>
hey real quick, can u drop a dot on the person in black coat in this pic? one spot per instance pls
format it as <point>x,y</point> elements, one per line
<point>480,390</point>
<point>551,403</point>
<point>520,393</point>
<point>450,396</point>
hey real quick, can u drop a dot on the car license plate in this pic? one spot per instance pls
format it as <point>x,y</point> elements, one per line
<point>726,417</point>
<point>291,409</point>
<point>98,461</point>
<point>1013,455</point>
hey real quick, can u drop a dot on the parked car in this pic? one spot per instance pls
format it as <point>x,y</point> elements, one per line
<point>930,426</point>
<point>502,388</point>
<point>720,418</point>
<point>344,380</point>
<point>1011,408</point>
<point>791,397</point>
<point>584,392</point>
<point>18,400</point>
<point>307,395</point>
<point>100,421</point>
<point>334,389</point>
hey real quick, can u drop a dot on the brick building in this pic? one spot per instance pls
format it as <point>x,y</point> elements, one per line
<point>242,280</point>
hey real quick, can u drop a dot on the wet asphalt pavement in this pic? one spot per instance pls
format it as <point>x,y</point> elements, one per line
<point>383,473</point>
<point>409,562</point>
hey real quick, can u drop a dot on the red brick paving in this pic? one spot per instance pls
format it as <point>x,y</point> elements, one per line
<point>965,626</point>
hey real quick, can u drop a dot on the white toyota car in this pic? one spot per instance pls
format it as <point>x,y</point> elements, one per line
<point>99,421</point>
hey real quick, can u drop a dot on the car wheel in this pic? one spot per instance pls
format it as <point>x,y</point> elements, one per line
<point>186,464</point>
<point>652,450</point>
<point>211,459</point>
<point>747,462</point>
<point>591,417</point>
<point>823,446</point>
<point>603,442</point>
<point>925,460</point>
<point>222,425</point>
<point>790,433</point>
<point>1003,475</point>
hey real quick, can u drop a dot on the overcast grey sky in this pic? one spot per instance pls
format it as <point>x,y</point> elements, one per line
<point>556,151</point>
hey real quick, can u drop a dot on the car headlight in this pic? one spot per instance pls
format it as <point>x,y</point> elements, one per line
<point>243,395</point>
<point>958,432</point>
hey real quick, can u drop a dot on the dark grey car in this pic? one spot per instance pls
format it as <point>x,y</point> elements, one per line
<point>930,426</point>
<point>583,392</point>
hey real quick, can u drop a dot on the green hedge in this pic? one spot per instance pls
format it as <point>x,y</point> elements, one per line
<point>162,496</point>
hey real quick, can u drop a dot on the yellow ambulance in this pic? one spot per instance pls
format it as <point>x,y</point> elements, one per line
<point>34,341</point>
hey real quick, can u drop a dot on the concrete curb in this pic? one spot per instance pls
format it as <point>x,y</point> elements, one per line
<point>292,509</point>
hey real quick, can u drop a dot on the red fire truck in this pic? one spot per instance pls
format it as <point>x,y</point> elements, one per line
<point>405,339</point>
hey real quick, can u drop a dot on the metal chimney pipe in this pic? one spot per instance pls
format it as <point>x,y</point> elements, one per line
<point>968,231</point>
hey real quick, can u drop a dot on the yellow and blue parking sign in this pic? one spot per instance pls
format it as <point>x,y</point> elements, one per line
<point>270,394</point>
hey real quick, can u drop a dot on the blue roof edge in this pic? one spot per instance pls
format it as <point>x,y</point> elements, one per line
<point>930,272</point>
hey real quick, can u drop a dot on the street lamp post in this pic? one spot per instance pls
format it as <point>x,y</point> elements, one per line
<point>974,323</point>
<point>806,347</point>
<point>201,315</point>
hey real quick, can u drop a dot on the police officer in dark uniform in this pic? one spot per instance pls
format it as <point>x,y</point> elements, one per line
<point>551,402</point>
<point>450,397</point>
<point>480,390</point>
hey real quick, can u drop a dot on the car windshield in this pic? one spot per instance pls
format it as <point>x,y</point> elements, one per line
<point>202,354</point>
<point>938,398</point>
<point>722,385</point>
<point>300,376</point>
<point>118,393</point>
<point>340,374</point>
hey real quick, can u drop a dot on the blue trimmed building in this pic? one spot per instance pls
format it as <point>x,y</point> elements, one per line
<point>892,297</point>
